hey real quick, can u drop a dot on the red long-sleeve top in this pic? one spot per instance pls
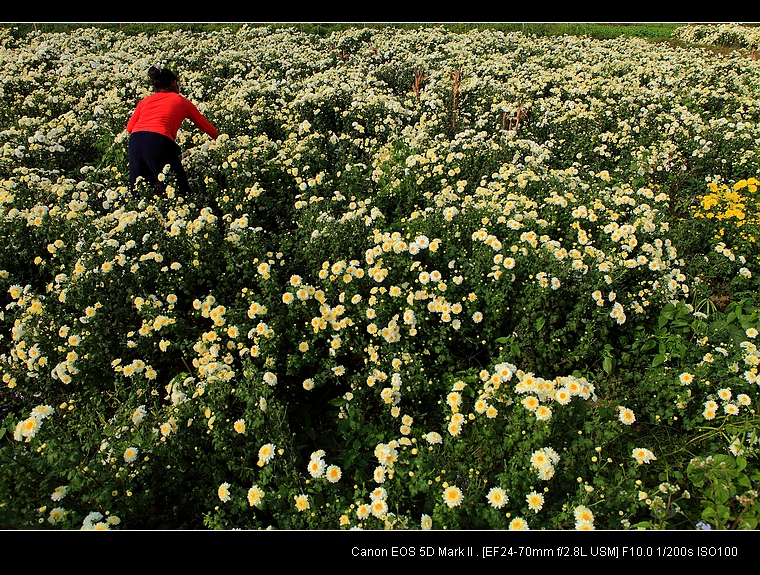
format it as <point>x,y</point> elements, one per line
<point>164,112</point>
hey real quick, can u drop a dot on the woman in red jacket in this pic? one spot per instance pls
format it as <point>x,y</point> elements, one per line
<point>153,131</point>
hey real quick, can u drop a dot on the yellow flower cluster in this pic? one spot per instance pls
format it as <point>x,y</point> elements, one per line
<point>734,208</point>
<point>725,202</point>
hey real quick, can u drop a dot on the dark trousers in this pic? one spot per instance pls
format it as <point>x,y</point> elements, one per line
<point>149,152</point>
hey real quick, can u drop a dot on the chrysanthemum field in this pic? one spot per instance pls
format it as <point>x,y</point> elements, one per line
<point>427,280</point>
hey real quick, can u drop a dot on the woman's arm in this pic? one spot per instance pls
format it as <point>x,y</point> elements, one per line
<point>194,115</point>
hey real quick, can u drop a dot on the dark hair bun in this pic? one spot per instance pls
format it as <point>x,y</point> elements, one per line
<point>162,79</point>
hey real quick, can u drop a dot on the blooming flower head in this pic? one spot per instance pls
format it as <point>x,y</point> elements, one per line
<point>255,496</point>
<point>27,428</point>
<point>59,493</point>
<point>130,454</point>
<point>302,502</point>
<point>333,473</point>
<point>426,522</point>
<point>378,493</point>
<point>731,409</point>
<point>518,524</point>
<point>138,415</point>
<point>583,514</point>
<point>530,403</point>
<point>316,467</point>
<point>535,501</point>
<point>626,416</point>
<point>454,399</point>
<point>643,455</point>
<point>363,511</point>
<point>224,492</point>
<point>239,426</point>
<point>543,413</point>
<point>42,411</point>
<point>480,405</point>
<point>433,437</point>
<point>92,520</point>
<point>166,428</point>
<point>379,508</point>
<point>266,453</point>
<point>546,473</point>
<point>562,396</point>
<point>544,459</point>
<point>452,496</point>
<point>56,515</point>
<point>497,497</point>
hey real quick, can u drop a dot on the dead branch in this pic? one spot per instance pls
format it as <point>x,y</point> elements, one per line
<point>419,78</point>
<point>456,77</point>
<point>514,119</point>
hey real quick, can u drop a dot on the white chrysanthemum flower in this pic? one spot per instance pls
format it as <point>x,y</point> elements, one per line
<point>56,515</point>
<point>59,493</point>
<point>626,416</point>
<point>643,455</point>
<point>138,414</point>
<point>453,496</point>
<point>333,473</point>
<point>266,453</point>
<point>426,522</point>
<point>316,467</point>
<point>224,492</point>
<point>130,454</point>
<point>535,501</point>
<point>255,496</point>
<point>497,497</point>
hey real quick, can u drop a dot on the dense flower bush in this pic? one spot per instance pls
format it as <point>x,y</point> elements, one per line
<point>720,35</point>
<point>427,280</point>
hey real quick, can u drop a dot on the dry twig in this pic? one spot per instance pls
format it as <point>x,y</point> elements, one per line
<point>419,78</point>
<point>515,119</point>
<point>456,77</point>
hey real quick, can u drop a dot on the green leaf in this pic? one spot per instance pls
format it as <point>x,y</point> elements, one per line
<point>724,511</point>
<point>669,311</point>
<point>540,323</point>
<point>647,345</point>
